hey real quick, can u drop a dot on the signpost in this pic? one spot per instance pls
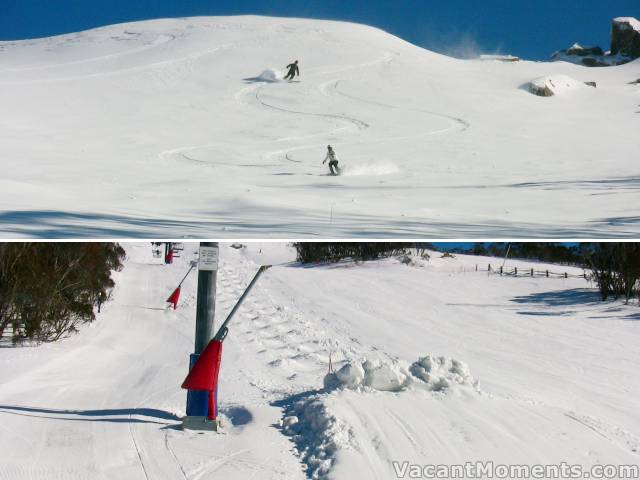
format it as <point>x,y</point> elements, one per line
<point>204,364</point>
<point>198,401</point>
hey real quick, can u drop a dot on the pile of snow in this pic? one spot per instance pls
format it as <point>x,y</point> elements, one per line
<point>441,373</point>
<point>271,75</point>
<point>318,434</point>
<point>550,85</point>
<point>373,374</point>
<point>438,374</point>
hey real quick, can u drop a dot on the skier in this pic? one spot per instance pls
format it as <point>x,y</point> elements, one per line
<point>333,161</point>
<point>293,70</point>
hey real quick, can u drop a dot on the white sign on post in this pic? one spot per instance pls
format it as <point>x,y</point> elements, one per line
<point>208,259</point>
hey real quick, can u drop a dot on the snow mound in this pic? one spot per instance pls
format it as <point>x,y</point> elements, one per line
<point>441,373</point>
<point>317,433</point>
<point>369,169</point>
<point>550,85</point>
<point>271,75</point>
<point>376,375</point>
<point>437,374</point>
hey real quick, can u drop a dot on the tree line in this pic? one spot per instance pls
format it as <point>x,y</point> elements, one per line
<point>314,252</point>
<point>48,289</point>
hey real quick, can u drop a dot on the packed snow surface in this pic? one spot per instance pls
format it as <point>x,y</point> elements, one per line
<point>182,127</point>
<point>439,363</point>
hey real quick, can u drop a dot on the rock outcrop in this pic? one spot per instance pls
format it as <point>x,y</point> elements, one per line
<point>625,46</point>
<point>625,37</point>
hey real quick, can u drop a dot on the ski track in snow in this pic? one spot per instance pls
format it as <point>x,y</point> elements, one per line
<point>171,90</point>
<point>255,91</point>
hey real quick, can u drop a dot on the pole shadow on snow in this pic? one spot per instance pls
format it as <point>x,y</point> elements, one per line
<point>237,415</point>
<point>632,317</point>
<point>124,415</point>
<point>546,314</point>
<point>561,298</point>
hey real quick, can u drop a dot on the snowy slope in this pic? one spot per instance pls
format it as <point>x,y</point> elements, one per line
<point>556,372</point>
<point>163,128</point>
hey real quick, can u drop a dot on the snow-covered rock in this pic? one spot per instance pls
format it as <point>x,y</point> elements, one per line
<point>550,85</point>
<point>500,58</point>
<point>625,46</point>
<point>625,36</point>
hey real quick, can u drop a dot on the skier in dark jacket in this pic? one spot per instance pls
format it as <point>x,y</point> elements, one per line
<point>293,70</point>
<point>333,161</point>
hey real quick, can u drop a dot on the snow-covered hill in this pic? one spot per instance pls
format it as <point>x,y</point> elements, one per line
<point>165,128</point>
<point>535,370</point>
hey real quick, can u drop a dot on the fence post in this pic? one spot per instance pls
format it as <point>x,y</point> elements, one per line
<point>532,272</point>
<point>565,275</point>
<point>516,271</point>
<point>476,267</point>
<point>500,270</point>
<point>547,273</point>
<point>489,268</point>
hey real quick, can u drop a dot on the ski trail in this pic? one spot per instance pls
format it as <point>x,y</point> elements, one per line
<point>188,59</point>
<point>616,435</point>
<point>359,124</point>
<point>256,91</point>
<point>158,41</point>
<point>135,445</point>
<point>462,124</point>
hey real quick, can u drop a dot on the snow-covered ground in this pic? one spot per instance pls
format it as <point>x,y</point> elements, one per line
<point>167,128</point>
<point>533,370</point>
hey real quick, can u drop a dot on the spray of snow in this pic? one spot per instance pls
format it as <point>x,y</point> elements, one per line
<point>271,75</point>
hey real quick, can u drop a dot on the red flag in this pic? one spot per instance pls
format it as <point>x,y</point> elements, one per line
<point>169,257</point>
<point>204,373</point>
<point>174,297</point>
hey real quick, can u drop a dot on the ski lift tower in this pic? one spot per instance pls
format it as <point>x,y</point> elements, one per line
<point>197,400</point>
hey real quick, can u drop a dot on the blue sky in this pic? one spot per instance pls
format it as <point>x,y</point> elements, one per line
<point>531,29</point>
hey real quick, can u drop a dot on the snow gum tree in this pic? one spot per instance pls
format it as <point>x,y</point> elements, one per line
<point>48,289</point>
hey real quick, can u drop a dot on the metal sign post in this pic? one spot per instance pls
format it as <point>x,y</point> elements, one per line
<point>197,401</point>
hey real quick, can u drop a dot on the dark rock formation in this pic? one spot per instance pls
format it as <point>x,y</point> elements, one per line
<point>625,46</point>
<point>581,51</point>
<point>625,37</point>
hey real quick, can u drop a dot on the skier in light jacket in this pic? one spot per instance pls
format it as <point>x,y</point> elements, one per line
<point>333,161</point>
